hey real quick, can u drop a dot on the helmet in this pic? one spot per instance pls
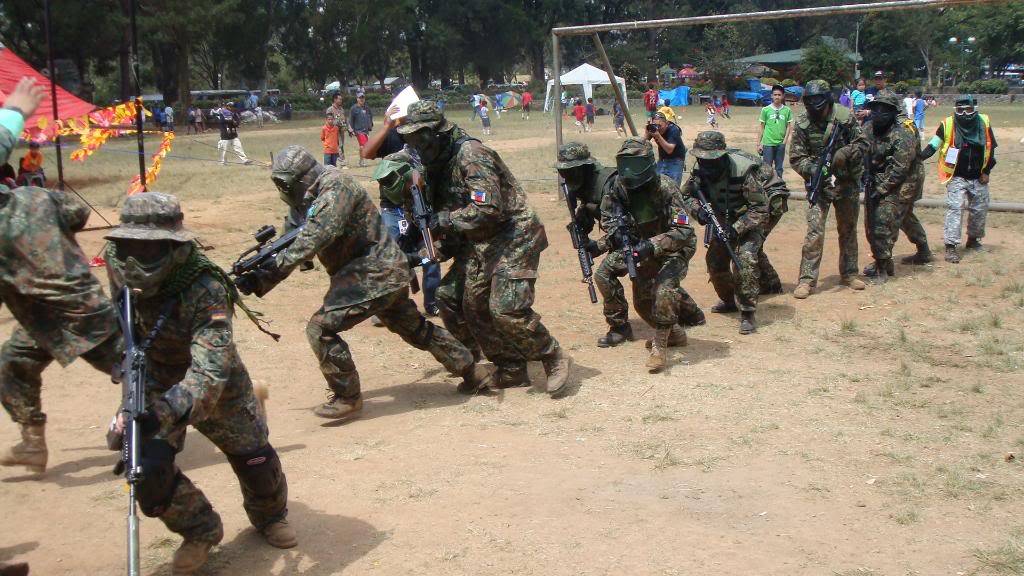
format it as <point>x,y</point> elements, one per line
<point>573,154</point>
<point>393,174</point>
<point>635,162</point>
<point>817,95</point>
<point>887,97</point>
<point>966,100</point>
<point>150,243</point>
<point>294,170</point>
<point>709,145</point>
<point>424,114</point>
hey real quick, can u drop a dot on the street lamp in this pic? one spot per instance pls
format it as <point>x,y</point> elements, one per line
<point>965,49</point>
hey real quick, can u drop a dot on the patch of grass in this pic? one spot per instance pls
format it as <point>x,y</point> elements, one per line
<point>655,450</point>
<point>906,516</point>
<point>994,320</point>
<point>980,279</point>
<point>993,427</point>
<point>1007,558</point>
<point>855,572</point>
<point>1015,287</point>
<point>967,326</point>
<point>707,462</point>
<point>561,413</point>
<point>1004,354</point>
<point>958,484</point>
<point>656,414</point>
<point>848,327</point>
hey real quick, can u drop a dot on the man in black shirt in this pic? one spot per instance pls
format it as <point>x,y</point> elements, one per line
<point>229,133</point>
<point>671,151</point>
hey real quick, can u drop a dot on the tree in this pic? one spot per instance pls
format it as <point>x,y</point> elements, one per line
<point>823,61</point>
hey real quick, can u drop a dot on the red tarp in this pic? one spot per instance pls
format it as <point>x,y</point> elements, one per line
<point>13,69</point>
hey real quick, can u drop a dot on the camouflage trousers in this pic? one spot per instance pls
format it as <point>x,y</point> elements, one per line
<point>883,220</point>
<point>657,296</point>
<point>613,295</point>
<point>239,429</point>
<point>768,276</point>
<point>449,298</point>
<point>22,362</point>
<point>399,314</point>
<point>847,211</point>
<point>737,284</point>
<point>975,194</point>
<point>499,310</point>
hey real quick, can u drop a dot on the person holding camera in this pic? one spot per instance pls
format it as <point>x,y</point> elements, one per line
<point>671,151</point>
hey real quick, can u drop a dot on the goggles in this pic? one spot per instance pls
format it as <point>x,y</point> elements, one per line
<point>963,109</point>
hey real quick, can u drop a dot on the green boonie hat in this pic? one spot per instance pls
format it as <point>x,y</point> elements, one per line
<point>635,162</point>
<point>399,163</point>
<point>816,87</point>
<point>886,97</point>
<point>635,147</point>
<point>424,114</point>
<point>151,216</point>
<point>709,145</point>
<point>572,155</point>
<point>965,100</point>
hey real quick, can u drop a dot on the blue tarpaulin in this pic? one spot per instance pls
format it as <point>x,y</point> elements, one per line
<point>678,96</point>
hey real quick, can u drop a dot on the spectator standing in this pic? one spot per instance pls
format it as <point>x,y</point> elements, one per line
<point>651,101</point>
<point>844,98</point>
<point>474,102</point>
<point>671,151</point>
<point>880,83</point>
<point>485,117</point>
<point>286,110</point>
<point>338,111</point>
<point>920,106</point>
<point>589,109</point>
<point>775,125</point>
<point>580,113</point>
<point>668,111</point>
<point>254,101</point>
<point>908,105</point>
<point>725,106</point>
<point>30,169</point>
<point>258,111</point>
<point>619,120</point>
<point>229,134</point>
<point>710,110</point>
<point>527,99</point>
<point>168,119</point>
<point>329,135</point>
<point>859,96</point>
<point>360,123</point>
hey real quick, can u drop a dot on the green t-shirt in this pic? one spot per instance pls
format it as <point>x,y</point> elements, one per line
<point>775,124</point>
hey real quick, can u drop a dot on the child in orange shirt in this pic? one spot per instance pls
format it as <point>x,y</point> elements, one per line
<point>331,138</point>
<point>579,112</point>
<point>30,170</point>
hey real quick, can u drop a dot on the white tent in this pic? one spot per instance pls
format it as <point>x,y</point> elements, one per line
<point>584,75</point>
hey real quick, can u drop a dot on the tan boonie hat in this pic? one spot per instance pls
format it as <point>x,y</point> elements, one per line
<point>573,154</point>
<point>151,216</point>
<point>709,145</point>
<point>424,114</point>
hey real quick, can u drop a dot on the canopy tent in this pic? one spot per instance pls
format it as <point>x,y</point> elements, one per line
<point>587,76</point>
<point>687,72</point>
<point>678,96</point>
<point>13,69</point>
<point>508,99</point>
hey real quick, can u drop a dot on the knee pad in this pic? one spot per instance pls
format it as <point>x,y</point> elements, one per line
<point>159,477</point>
<point>259,472</point>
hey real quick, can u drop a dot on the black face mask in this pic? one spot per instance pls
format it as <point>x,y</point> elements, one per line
<point>882,118</point>
<point>712,169</point>
<point>432,146</point>
<point>817,106</point>
<point>576,177</point>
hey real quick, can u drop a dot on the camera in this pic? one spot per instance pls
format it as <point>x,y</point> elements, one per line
<point>652,127</point>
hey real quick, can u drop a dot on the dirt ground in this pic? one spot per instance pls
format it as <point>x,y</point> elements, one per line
<point>857,433</point>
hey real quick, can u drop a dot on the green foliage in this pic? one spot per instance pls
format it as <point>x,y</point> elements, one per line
<point>993,86</point>
<point>788,82</point>
<point>769,81</point>
<point>632,75</point>
<point>823,61</point>
<point>702,88</point>
<point>901,87</point>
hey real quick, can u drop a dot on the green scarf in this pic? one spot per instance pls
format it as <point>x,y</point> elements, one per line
<point>970,131</point>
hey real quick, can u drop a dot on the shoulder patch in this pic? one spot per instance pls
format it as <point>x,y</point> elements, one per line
<point>313,209</point>
<point>479,196</point>
<point>682,219</point>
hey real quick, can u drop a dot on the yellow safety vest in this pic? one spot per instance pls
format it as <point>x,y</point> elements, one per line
<point>945,168</point>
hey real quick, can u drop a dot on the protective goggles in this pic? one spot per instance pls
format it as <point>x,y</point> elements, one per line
<point>965,109</point>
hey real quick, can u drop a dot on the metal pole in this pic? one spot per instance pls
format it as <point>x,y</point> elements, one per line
<point>139,126</point>
<point>47,21</point>
<point>765,15</point>
<point>619,96</point>
<point>1012,207</point>
<point>556,64</point>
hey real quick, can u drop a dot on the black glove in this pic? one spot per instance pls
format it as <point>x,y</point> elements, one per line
<point>149,423</point>
<point>643,249</point>
<point>702,217</point>
<point>593,248</point>
<point>731,234</point>
<point>414,259</point>
<point>246,283</point>
<point>584,221</point>
<point>260,280</point>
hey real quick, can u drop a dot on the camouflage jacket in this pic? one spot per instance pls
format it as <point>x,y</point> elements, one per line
<point>659,216</point>
<point>44,276</point>
<point>193,364</point>
<point>809,138</point>
<point>896,168</point>
<point>738,198</point>
<point>588,198</point>
<point>488,209</point>
<point>344,230</point>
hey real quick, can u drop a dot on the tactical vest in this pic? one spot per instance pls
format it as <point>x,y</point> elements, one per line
<point>816,140</point>
<point>439,179</point>
<point>648,208</point>
<point>602,183</point>
<point>946,169</point>
<point>726,194</point>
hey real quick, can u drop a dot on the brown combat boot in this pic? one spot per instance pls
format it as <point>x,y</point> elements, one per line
<point>854,283</point>
<point>658,359</point>
<point>919,258</point>
<point>280,534</point>
<point>558,367</point>
<point>30,452</point>
<point>189,557</point>
<point>336,407</point>
<point>973,244</point>
<point>476,378</point>
<point>803,290</point>
<point>676,338</point>
<point>952,256</point>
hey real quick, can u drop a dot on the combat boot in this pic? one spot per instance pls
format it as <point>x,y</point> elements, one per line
<point>919,258</point>
<point>772,287</point>
<point>476,378</point>
<point>189,557</point>
<point>616,335</point>
<point>558,367</point>
<point>676,338</point>
<point>336,407</point>
<point>658,359</point>
<point>724,307</point>
<point>974,244</point>
<point>693,319</point>
<point>803,290</point>
<point>853,283</point>
<point>747,323</point>
<point>512,376</point>
<point>881,272</point>
<point>952,256</point>
<point>30,452</point>
<point>280,534</point>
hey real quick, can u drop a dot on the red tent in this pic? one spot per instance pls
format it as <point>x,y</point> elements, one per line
<point>13,69</point>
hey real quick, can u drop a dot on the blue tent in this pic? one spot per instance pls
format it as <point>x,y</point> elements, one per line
<point>678,96</point>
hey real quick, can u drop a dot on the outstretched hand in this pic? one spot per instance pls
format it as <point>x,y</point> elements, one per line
<point>26,96</point>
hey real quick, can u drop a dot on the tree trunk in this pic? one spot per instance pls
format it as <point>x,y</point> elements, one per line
<point>537,61</point>
<point>124,61</point>
<point>184,70</point>
<point>462,75</point>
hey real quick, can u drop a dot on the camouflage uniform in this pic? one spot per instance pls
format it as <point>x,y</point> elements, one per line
<point>897,174</point>
<point>45,281</point>
<point>809,137</point>
<point>654,213</point>
<point>478,201</point>
<point>777,194</point>
<point>194,376</point>
<point>369,277</point>
<point>738,199</point>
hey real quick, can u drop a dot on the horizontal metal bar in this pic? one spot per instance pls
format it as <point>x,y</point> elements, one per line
<point>1015,207</point>
<point>765,15</point>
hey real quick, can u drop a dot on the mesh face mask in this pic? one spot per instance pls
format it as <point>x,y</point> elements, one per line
<point>143,265</point>
<point>635,171</point>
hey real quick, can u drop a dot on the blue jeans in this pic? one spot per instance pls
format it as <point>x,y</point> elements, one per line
<point>431,272</point>
<point>330,159</point>
<point>673,168</point>
<point>774,155</point>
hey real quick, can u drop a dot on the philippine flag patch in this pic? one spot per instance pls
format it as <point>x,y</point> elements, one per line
<point>682,219</point>
<point>479,196</point>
